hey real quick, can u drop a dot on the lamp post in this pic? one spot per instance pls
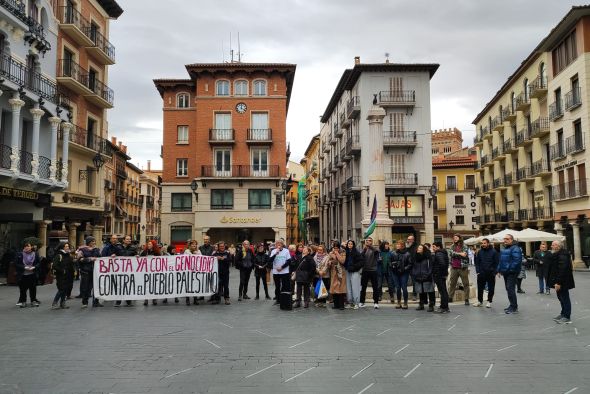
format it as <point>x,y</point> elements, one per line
<point>194,187</point>
<point>451,224</point>
<point>432,191</point>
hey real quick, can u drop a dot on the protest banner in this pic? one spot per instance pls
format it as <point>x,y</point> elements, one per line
<point>153,277</point>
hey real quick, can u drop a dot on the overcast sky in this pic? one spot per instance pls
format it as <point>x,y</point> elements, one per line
<point>478,44</point>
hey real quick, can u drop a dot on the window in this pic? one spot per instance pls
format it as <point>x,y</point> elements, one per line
<point>222,88</point>
<point>526,90</point>
<point>469,182</point>
<point>182,100</point>
<point>90,132</point>
<point>180,234</point>
<point>459,200</point>
<point>222,162</point>
<point>578,136</point>
<point>182,135</point>
<point>182,202</point>
<point>223,130</point>
<point>260,162</point>
<point>181,167</point>
<point>90,180</point>
<point>259,88</point>
<point>435,223</point>
<point>543,74</point>
<point>435,203</point>
<point>460,219</point>
<point>565,53</point>
<point>259,199</point>
<point>94,30</point>
<point>222,199</point>
<point>92,78</point>
<point>451,183</point>
<point>241,88</point>
<point>260,130</point>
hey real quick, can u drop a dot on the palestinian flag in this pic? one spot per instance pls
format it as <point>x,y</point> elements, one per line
<point>373,224</point>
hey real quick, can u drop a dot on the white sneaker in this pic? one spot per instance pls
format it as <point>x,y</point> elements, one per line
<point>488,304</point>
<point>478,304</point>
<point>375,306</point>
<point>361,305</point>
<point>355,307</point>
<point>21,304</point>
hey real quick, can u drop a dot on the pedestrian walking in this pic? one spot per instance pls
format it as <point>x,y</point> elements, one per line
<point>261,260</point>
<point>223,264</point>
<point>151,248</point>
<point>509,267</point>
<point>27,265</point>
<point>353,263</point>
<point>63,270</point>
<point>440,271</point>
<point>459,267</point>
<point>422,274</point>
<point>369,273</point>
<point>400,268</point>
<point>304,274</point>
<point>336,260</point>
<point>486,267</point>
<point>244,260</point>
<point>561,278</point>
<point>86,256</point>
<point>541,262</point>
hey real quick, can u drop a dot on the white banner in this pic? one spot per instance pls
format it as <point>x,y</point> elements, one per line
<point>153,277</point>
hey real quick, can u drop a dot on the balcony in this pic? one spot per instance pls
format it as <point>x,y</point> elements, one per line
<point>570,190</point>
<point>498,183</point>
<point>311,213</point>
<point>523,137</point>
<point>353,145</point>
<point>478,191</point>
<point>499,218</point>
<point>259,137</point>
<point>71,75</point>
<point>121,194</point>
<point>337,162</point>
<point>574,144</point>
<point>507,180</point>
<point>540,127</point>
<point>451,186</point>
<point>485,133</point>
<point>573,99</point>
<point>326,147</point>
<point>353,107</point>
<point>344,121</point>
<point>399,138</point>
<point>82,139</point>
<point>393,179</point>
<point>540,168</point>
<point>121,173</point>
<point>477,139</point>
<point>539,213</point>
<point>486,160</point>
<point>555,111</point>
<point>345,157</point>
<point>102,96</point>
<point>397,98</point>
<point>557,151</point>
<point>102,49</point>
<point>353,184</point>
<point>222,136</point>
<point>508,113</point>
<point>240,171</point>
<point>538,87</point>
<point>497,123</point>
<point>74,25</point>
<point>107,207</point>
<point>337,130</point>
<point>108,185</point>
<point>523,173</point>
<point>486,187</point>
<point>523,101</point>
<point>497,152</point>
<point>18,73</point>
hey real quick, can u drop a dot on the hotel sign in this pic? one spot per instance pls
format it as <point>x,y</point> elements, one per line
<point>25,195</point>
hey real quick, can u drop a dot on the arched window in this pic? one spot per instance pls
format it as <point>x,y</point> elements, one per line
<point>241,87</point>
<point>260,87</point>
<point>182,100</point>
<point>543,75</point>
<point>525,86</point>
<point>500,110</point>
<point>222,88</point>
<point>512,102</point>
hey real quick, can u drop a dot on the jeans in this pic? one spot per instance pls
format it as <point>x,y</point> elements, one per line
<point>244,279</point>
<point>353,287</point>
<point>400,282</point>
<point>543,285</point>
<point>463,273</point>
<point>261,277</point>
<point>367,276</point>
<point>429,298</point>
<point>563,295</point>
<point>510,282</point>
<point>28,282</point>
<point>60,296</point>
<point>282,284</point>
<point>303,288</point>
<point>223,284</point>
<point>86,284</point>
<point>383,277</point>
<point>441,285</point>
<point>486,279</point>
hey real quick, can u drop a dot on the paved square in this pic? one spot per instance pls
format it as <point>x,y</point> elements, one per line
<point>253,347</point>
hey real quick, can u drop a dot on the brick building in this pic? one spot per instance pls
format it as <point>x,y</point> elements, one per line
<point>225,152</point>
<point>446,141</point>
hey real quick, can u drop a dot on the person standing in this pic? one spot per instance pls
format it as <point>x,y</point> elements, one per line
<point>459,267</point>
<point>260,268</point>
<point>383,270</point>
<point>27,264</point>
<point>244,258</point>
<point>336,260</point>
<point>304,274</point>
<point>542,268</point>
<point>151,248</point>
<point>371,257</point>
<point>280,258</point>
<point>323,271</point>
<point>411,249</point>
<point>127,249</point>
<point>353,263</point>
<point>509,267</point>
<point>87,255</point>
<point>561,278</point>
<point>63,269</point>
<point>422,274</point>
<point>440,271</point>
<point>206,249</point>
<point>193,248</point>
<point>401,266</point>
<point>486,267</point>
<point>223,264</point>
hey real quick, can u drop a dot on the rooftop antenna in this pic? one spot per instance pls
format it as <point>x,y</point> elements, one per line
<point>231,51</point>
<point>386,57</point>
<point>239,53</point>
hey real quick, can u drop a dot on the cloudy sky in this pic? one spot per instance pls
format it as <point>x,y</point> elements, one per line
<point>478,44</point>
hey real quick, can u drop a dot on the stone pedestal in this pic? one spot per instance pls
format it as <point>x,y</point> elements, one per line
<point>42,235</point>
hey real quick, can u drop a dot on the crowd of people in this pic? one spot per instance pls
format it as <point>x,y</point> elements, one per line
<point>342,268</point>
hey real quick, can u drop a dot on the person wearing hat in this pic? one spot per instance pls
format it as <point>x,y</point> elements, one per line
<point>86,256</point>
<point>63,269</point>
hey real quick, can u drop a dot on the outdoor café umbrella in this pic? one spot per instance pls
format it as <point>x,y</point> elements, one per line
<point>532,235</point>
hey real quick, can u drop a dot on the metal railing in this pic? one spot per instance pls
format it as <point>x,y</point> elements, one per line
<point>245,171</point>
<point>5,153</point>
<point>399,137</point>
<point>353,106</point>
<point>70,69</point>
<point>523,173</point>
<point>574,143</point>
<point>540,166</point>
<point>571,189</point>
<point>260,134</point>
<point>221,135</point>
<point>522,100</point>
<point>508,145</point>
<point>44,164</point>
<point>557,151</point>
<point>353,182</point>
<point>539,125</point>
<point>555,110</point>
<point>25,165</point>
<point>537,85</point>
<point>100,41</point>
<point>573,99</point>
<point>80,136</point>
<point>401,179</point>
<point>397,96</point>
<point>523,136</point>
<point>353,144</point>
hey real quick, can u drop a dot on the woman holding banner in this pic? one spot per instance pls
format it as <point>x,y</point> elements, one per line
<point>151,249</point>
<point>193,248</point>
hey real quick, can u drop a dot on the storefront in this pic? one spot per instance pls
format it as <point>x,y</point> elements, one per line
<point>235,227</point>
<point>407,213</point>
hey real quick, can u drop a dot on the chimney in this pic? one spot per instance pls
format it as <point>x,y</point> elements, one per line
<point>114,140</point>
<point>124,148</point>
<point>149,165</point>
<point>357,60</point>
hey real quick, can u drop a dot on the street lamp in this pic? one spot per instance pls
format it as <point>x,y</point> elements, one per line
<point>194,187</point>
<point>451,224</point>
<point>285,185</point>
<point>432,192</point>
<point>98,162</point>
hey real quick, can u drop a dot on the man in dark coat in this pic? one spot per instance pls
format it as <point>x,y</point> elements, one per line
<point>127,249</point>
<point>561,278</point>
<point>486,267</point>
<point>542,267</point>
<point>440,271</point>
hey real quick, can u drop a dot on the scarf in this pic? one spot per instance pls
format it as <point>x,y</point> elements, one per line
<point>29,258</point>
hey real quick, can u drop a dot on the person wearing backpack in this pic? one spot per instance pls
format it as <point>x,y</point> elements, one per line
<point>509,267</point>
<point>353,263</point>
<point>422,274</point>
<point>63,269</point>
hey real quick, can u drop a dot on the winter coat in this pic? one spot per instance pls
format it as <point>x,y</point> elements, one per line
<point>561,270</point>
<point>337,273</point>
<point>355,261</point>
<point>440,265</point>
<point>401,261</point>
<point>305,271</point>
<point>422,268</point>
<point>458,261</point>
<point>261,264</point>
<point>510,260</point>
<point>244,262</point>
<point>110,249</point>
<point>129,250</point>
<point>20,266</point>
<point>321,264</point>
<point>63,269</point>
<point>487,261</point>
<point>206,250</point>
<point>371,256</point>
<point>85,255</point>
<point>541,260</point>
<point>223,261</point>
